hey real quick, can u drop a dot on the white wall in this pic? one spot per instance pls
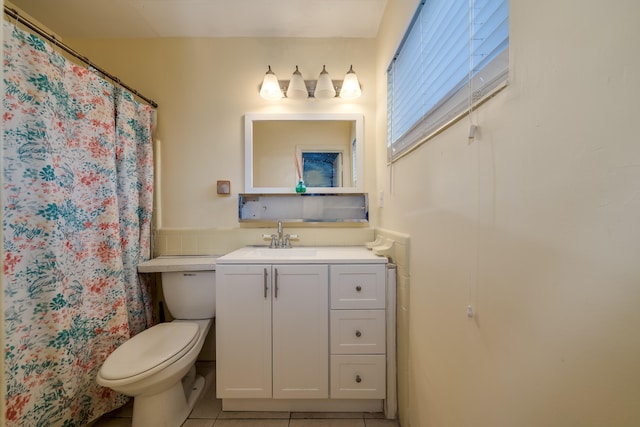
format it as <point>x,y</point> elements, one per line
<point>536,224</point>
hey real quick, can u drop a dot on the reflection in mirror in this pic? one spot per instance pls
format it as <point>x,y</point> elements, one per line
<point>322,149</point>
<point>322,168</point>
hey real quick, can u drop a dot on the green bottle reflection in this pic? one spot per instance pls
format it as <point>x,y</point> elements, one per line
<point>301,188</point>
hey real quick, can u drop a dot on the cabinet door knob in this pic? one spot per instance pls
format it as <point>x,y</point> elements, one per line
<point>358,288</point>
<point>358,334</point>
<point>358,379</point>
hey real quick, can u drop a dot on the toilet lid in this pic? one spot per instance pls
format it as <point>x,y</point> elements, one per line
<point>150,350</point>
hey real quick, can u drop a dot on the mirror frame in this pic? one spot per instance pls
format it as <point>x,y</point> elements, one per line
<point>250,118</point>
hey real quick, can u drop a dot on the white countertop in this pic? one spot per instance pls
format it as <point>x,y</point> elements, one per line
<point>302,255</point>
<point>165,264</point>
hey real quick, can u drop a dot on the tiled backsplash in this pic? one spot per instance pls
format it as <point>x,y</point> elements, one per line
<point>222,241</point>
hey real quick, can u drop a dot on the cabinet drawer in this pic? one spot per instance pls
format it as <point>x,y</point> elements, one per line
<point>357,286</point>
<point>358,332</point>
<point>358,377</point>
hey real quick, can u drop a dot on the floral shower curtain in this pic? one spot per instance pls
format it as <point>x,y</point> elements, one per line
<point>77,199</point>
<point>134,166</point>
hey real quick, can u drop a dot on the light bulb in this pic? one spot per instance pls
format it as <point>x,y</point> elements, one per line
<point>324,87</point>
<point>350,85</point>
<point>297,88</point>
<point>270,87</point>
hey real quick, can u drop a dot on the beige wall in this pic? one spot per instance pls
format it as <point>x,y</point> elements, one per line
<point>535,224</point>
<point>204,87</point>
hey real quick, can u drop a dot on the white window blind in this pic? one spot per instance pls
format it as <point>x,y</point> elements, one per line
<point>455,53</point>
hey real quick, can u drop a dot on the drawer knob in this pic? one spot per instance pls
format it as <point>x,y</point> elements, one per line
<point>358,288</point>
<point>358,334</point>
<point>358,379</point>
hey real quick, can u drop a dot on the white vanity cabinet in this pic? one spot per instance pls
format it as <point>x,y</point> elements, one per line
<point>272,331</point>
<point>301,329</point>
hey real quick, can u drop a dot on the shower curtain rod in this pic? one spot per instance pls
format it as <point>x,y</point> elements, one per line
<point>14,14</point>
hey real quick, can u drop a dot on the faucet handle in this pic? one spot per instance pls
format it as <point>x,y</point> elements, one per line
<point>288,238</point>
<point>271,237</point>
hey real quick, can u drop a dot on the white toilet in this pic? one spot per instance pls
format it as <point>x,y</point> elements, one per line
<point>157,366</point>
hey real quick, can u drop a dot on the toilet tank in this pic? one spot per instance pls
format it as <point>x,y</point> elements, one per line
<point>190,294</point>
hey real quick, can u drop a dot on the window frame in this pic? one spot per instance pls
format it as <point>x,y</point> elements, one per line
<point>481,82</point>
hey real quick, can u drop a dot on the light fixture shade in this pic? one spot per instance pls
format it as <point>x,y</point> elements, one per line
<point>297,88</point>
<point>270,88</point>
<point>350,86</point>
<point>324,87</point>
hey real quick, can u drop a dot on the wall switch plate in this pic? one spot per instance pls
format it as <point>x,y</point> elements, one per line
<point>224,187</point>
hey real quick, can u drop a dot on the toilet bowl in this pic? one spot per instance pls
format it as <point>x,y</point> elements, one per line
<point>157,366</point>
<point>150,367</point>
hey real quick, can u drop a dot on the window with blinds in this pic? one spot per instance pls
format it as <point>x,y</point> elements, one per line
<point>454,54</point>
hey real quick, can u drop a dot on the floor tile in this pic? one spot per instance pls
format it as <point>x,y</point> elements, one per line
<point>198,423</point>
<point>207,407</point>
<point>225,415</point>
<point>327,422</point>
<point>326,415</point>
<point>371,422</point>
<point>251,423</point>
<point>378,415</point>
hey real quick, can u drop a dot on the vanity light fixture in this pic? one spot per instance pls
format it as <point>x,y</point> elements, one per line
<point>350,86</point>
<point>270,87</point>
<point>324,88</point>
<point>299,88</point>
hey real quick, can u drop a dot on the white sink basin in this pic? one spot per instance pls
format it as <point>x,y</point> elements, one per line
<point>283,252</point>
<point>301,255</point>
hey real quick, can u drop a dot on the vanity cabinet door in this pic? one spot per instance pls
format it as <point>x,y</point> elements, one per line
<point>243,331</point>
<point>272,333</point>
<point>300,331</point>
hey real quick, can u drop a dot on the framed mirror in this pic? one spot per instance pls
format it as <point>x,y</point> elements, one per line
<point>324,150</point>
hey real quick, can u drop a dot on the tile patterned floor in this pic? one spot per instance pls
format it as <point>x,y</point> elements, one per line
<point>208,413</point>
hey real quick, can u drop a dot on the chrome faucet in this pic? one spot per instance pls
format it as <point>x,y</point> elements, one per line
<point>279,239</point>
<point>280,242</point>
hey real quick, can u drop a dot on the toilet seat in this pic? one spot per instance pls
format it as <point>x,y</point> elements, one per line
<point>150,351</point>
